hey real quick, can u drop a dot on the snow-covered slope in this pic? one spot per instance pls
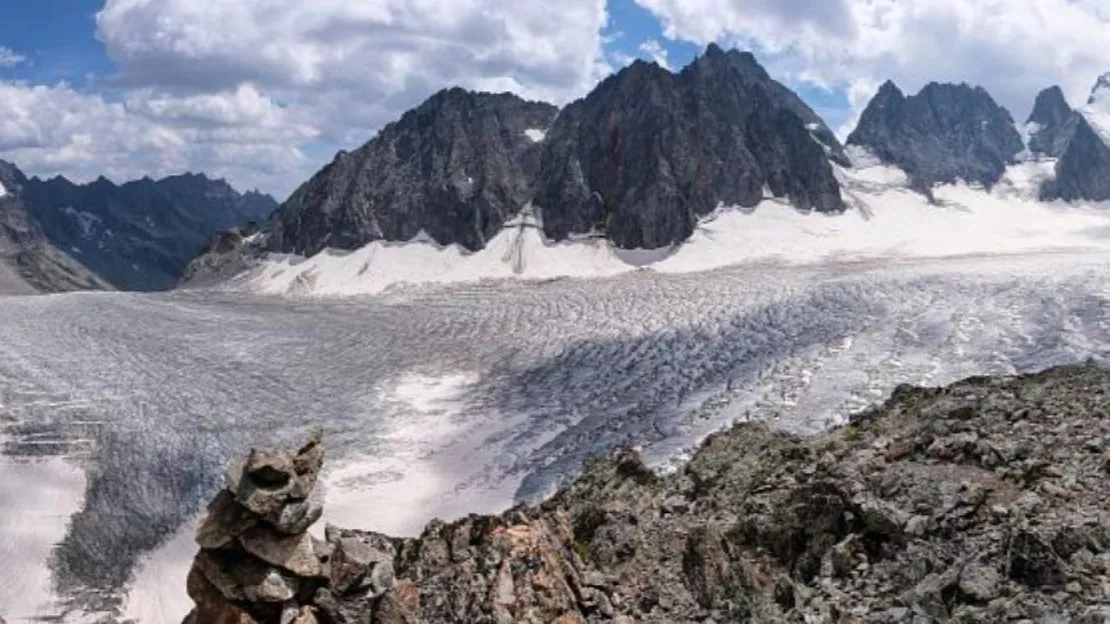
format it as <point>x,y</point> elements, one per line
<point>885,220</point>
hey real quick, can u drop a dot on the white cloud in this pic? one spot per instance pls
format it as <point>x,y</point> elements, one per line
<point>1013,48</point>
<point>49,130</point>
<point>353,66</point>
<point>655,51</point>
<point>9,58</point>
<point>245,89</point>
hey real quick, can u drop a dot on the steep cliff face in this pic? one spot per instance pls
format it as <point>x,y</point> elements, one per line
<point>1078,139</point>
<point>28,262</point>
<point>142,234</point>
<point>1083,169</point>
<point>649,151</point>
<point>641,158</point>
<point>1051,124</point>
<point>943,134</point>
<point>454,168</point>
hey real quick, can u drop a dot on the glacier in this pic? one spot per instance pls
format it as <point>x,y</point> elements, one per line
<point>474,381</point>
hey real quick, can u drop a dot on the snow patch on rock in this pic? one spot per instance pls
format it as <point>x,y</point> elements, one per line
<point>535,134</point>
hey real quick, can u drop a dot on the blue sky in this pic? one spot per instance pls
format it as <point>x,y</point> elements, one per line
<point>264,93</point>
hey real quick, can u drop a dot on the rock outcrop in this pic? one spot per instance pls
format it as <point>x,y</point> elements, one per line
<point>943,134</point>
<point>454,168</point>
<point>1051,124</point>
<point>980,502</point>
<point>1083,168</point>
<point>648,151</point>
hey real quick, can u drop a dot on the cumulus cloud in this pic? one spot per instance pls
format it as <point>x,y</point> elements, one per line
<point>58,130</point>
<point>9,58</point>
<point>355,65</point>
<point>656,52</point>
<point>1013,48</point>
<point>246,89</point>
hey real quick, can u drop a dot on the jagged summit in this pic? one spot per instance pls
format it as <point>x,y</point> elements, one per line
<point>943,134</point>
<point>648,151</point>
<point>1051,124</point>
<point>639,159</point>
<point>455,168</point>
<point>141,234</point>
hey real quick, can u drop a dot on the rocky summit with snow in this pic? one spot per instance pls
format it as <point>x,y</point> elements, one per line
<point>649,152</point>
<point>943,134</point>
<point>979,502</point>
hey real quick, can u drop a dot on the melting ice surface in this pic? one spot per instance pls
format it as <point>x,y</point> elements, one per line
<point>118,411</point>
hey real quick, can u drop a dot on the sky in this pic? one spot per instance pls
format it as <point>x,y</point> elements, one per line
<point>264,92</point>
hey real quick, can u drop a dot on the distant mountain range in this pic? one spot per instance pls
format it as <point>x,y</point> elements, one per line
<point>639,161</point>
<point>139,235</point>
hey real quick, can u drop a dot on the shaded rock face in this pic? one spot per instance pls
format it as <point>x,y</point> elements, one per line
<point>1052,123</point>
<point>455,168</point>
<point>979,502</point>
<point>1083,168</point>
<point>641,158</point>
<point>944,134</point>
<point>28,261</point>
<point>140,235</point>
<point>648,152</point>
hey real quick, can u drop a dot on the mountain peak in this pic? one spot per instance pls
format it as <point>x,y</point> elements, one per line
<point>944,133</point>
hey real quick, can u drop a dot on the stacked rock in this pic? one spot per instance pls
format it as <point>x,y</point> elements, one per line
<point>257,563</point>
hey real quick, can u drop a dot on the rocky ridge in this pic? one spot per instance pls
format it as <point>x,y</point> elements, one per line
<point>1083,154</point>
<point>980,502</point>
<point>455,169</point>
<point>943,134</point>
<point>29,263</point>
<point>640,158</point>
<point>1052,123</point>
<point>649,152</point>
<point>140,235</point>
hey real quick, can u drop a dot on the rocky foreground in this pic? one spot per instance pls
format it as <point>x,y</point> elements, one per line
<point>985,501</point>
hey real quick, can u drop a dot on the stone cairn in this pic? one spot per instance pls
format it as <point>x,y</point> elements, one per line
<point>258,564</point>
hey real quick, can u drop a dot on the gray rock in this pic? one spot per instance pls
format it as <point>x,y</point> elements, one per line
<point>1055,123</point>
<point>648,152</point>
<point>980,583</point>
<point>226,520</point>
<point>277,485</point>
<point>295,553</point>
<point>140,235</point>
<point>1034,563</point>
<point>1083,169</point>
<point>943,134</point>
<point>246,580</point>
<point>356,564</point>
<point>456,167</point>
